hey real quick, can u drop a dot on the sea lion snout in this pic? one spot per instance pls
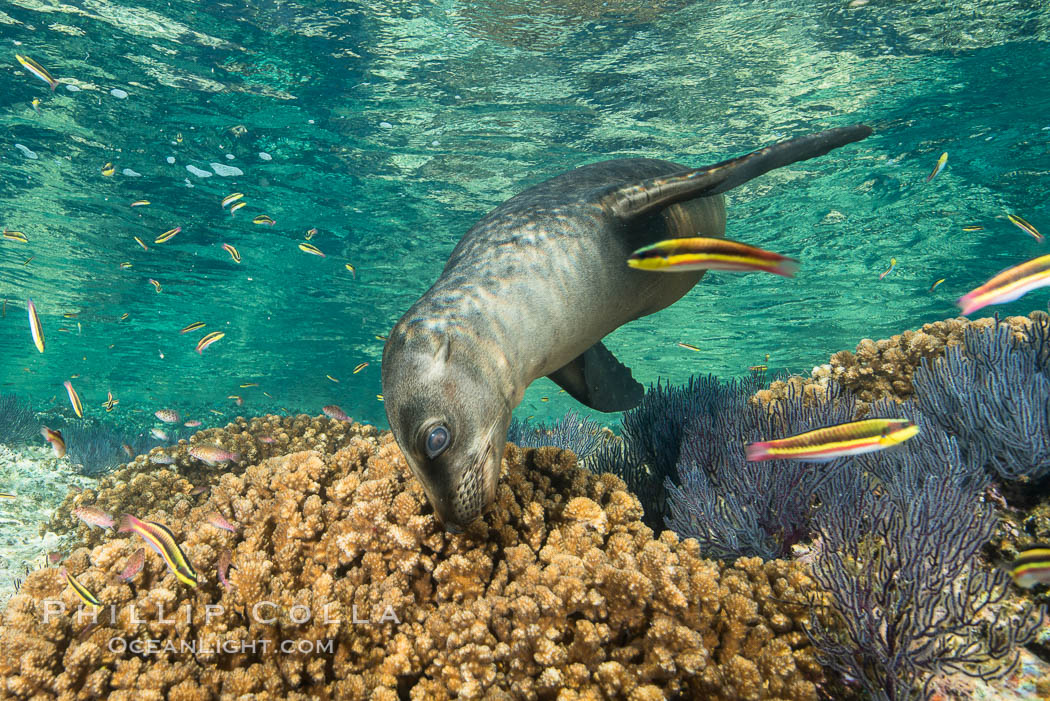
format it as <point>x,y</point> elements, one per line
<point>450,425</point>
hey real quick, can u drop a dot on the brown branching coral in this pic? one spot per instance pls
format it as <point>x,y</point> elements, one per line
<point>884,369</point>
<point>253,439</point>
<point>560,590</point>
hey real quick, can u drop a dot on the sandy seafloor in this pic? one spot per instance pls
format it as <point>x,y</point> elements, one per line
<point>39,482</point>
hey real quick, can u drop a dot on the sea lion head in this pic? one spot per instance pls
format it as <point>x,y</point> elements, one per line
<point>449,418</point>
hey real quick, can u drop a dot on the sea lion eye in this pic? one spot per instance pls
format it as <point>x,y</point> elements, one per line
<point>436,442</point>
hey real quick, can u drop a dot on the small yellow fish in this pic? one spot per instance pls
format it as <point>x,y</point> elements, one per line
<point>86,596</point>
<point>140,203</point>
<point>268,394</point>
<point>311,249</point>
<point>941,162</point>
<point>208,340</point>
<point>688,346</point>
<point>110,401</point>
<point>232,251</point>
<point>249,384</point>
<point>703,253</point>
<point>758,368</point>
<point>139,242</point>
<point>5,495</point>
<point>360,367</point>
<point>125,265</point>
<point>34,326</point>
<point>545,399</point>
<point>310,234</point>
<point>124,316</point>
<point>193,327</point>
<point>37,70</point>
<point>379,397</point>
<point>352,271</point>
<point>229,199</point>
<point>263,219</point>
<point>178,137</point>
<point>237,206</point>
<point>332,378</point>
<point>108,170</point>
<point>934,285</point>
<point>168,235</point>
<point>826,444</point>
<point>36,105</point>
<point>1025,226</point>
<point>155,284</point>
<point>27,261</point>
<point>380,338</point>
<point>74,399</point>
<point>162,540</point>
<point>15,236</point>
<point>887,271</point>
<point>973,227</point>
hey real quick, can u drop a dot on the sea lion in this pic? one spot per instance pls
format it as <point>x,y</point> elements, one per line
<point>531,290</point>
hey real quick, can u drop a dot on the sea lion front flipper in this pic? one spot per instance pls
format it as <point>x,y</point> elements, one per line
<point>647,196</point>
<point>596,378</point>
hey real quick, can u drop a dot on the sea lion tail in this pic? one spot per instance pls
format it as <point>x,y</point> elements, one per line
<point>654,194</point>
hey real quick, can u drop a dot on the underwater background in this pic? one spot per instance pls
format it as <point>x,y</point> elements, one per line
<point>391,127</point>
<point>219,210</point>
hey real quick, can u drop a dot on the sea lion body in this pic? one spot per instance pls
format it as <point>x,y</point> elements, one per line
<point>530,291</point>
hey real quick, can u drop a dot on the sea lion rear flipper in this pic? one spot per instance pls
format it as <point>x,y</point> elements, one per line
<point>650,195</point>
<point>596,378</point>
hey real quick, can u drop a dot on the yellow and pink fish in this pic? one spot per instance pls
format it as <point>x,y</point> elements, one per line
<point>158,537</point>
<point>700,253</point>
<point>1009,285</point>
<point>826,444</point>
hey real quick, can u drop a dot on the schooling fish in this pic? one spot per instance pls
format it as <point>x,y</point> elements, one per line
<point>700,253</point>
<point>826,444</point>
<point>108,170</point>
<point>37,70</point>
<point>219,521</point>
<point>334,412</point>
<point>158,537</point>
<point>134,566</point>
<point>887,271</point>
<point>208,340</point>
<point>228,199</point>
<point>158,434</point>
<point>161,459</point>
<point>212,454</point>
<point>263,219</point>
<point>86,596</point>
<point>353,272</point>
<point>193,327</point>
<point>110,401</point>
<point>93,516</point>
<point>192,423</point>
<point>15,236</point>
<point>168,235</point>
<point>139,242</point>
<point>688,346</point>
<point>934,285</point>
<point>155,284</point>
<point>74,399</point>
<point>140,203</point>
<point>234,253</point>
<point>1032,566</point>
<point>237,206</point>
<point>168,416</point>
<point>1013,283</point>
<point>55,439</point>
<point>973,227</point>
<point>360,367</point>
<point>941,162</point>
<point>311,249</point>
<point>1025,226</point>
<point>34,326</point>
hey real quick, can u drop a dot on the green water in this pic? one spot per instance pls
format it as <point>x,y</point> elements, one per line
<point>392,127</point>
